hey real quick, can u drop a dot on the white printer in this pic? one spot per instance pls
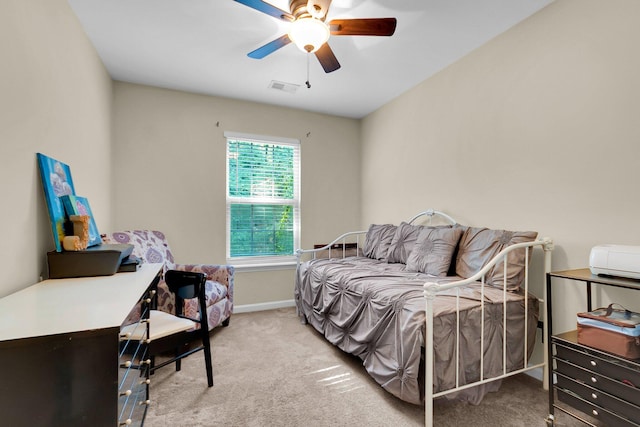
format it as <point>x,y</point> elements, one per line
<point>615,260</point>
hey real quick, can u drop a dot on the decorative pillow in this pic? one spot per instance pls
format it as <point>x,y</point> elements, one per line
<point>433,251</point>
<point>377,241</point>
<point>403,241</point>
<point>479,245</point>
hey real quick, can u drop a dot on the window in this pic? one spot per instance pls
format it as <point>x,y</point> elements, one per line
<point>263,199</point>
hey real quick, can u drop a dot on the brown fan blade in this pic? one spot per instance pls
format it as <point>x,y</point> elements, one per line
<point>318,8</point>
<point>327,59</point>
<point>363,27</point>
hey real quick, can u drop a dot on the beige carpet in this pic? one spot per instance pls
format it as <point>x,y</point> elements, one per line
<point>270,370</point>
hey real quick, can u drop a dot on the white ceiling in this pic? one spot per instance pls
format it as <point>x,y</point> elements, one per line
<point>201,46</point>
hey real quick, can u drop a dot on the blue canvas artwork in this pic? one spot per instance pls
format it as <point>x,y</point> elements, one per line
<point>56,182</point>
<point>76,205</point>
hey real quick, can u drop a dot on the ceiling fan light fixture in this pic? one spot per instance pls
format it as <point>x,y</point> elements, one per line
<point>309,34</point>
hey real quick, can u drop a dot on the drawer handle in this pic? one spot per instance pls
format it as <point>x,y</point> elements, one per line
<point>126,422</point>
<point>594,363</point>
<point>594,412</point>
<point>594,396</point>
<point>125,393</point>
<point>594,380</point>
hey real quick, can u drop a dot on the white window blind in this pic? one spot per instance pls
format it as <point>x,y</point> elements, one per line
<point>263,199</point>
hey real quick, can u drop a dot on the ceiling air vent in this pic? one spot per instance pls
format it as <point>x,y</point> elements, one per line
<point>285,87</point>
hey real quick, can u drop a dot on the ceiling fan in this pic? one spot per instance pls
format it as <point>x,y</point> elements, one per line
<point>310,32</point>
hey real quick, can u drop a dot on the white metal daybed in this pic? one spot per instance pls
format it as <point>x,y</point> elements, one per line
<point>419,334</point>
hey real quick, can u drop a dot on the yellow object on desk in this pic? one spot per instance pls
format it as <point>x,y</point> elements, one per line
<point>80,239</point>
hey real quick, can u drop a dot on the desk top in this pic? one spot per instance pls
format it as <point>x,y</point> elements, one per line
<point>59,306</point>
<point>585,275</point>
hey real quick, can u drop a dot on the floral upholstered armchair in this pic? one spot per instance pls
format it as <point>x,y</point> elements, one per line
<point>152,247</point>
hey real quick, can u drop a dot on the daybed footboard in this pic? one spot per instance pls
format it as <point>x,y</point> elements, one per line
<point>432,289</point>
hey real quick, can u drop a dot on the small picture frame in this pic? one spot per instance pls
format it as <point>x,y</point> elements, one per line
<point>77,205</point>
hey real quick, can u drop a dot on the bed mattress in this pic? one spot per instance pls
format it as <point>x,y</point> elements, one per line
<point>376,311</point>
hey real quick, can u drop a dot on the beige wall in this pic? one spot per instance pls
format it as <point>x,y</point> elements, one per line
<point>547,114</point>
<point>55,98</point>
<point>169,157</point>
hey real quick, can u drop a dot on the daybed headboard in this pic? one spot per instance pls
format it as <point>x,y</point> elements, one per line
<point>468,249</point>
<point>430,214</point>
<point>351,243</point>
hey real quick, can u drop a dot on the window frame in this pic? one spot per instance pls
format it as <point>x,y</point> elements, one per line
<point>253,263</point>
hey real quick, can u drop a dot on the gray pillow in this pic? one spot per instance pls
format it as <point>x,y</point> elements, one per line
<point>403,240</point>
<point>377,241</point>
<point>433,251</point>
<point>479,245</point>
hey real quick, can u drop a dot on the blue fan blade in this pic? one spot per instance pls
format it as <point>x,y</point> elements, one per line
<point>263,7</point>
<point>270,47</point>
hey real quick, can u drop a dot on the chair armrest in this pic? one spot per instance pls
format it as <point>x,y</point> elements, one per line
<point>222,274</point>
<point>219,302</point>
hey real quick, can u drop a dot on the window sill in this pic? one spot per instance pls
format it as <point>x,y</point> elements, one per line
<point>263,267</point>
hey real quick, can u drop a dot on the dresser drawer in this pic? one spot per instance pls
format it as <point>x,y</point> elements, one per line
<point>595,380</point>
<point>593,410</point>
<point>596,361</point>
<point>600,398</point>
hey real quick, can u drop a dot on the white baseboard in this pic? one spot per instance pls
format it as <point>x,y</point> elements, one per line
<point>247,308</point>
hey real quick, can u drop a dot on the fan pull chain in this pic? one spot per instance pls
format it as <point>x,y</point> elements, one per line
<point>307,82</point>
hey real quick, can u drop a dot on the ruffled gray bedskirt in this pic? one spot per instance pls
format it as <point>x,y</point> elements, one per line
<point>376,311</point>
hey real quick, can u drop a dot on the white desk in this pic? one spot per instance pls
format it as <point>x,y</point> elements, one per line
<point>59,343</point>
<point>69,305</point>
